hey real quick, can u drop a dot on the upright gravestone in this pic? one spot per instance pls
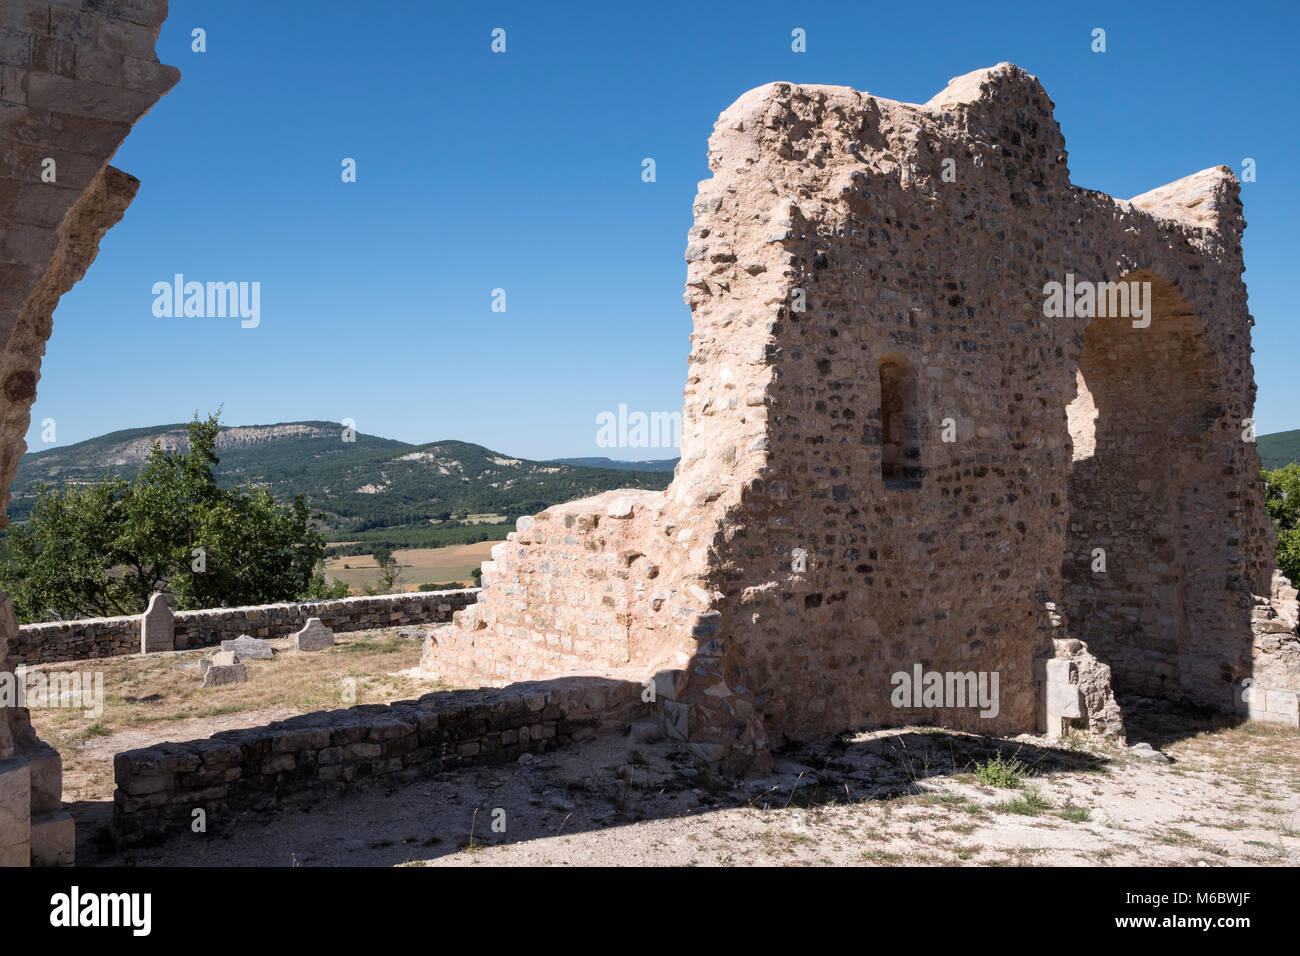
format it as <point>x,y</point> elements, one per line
<point>314,636</point>
<point>157,628</point>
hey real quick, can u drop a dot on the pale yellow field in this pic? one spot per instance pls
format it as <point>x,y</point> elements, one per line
<point>419,566</point>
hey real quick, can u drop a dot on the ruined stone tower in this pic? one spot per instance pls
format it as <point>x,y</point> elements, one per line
<point>893,457</point>
<point>75,75</point>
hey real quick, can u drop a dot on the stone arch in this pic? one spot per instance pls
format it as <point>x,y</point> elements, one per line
<point>1150,527</point>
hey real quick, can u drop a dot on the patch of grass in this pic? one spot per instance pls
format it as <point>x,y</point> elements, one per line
<point>1029,805</point>
<point>1074,814</point>
<point>880,856</point>
<point>221,710</point>
<point>1008,774</point>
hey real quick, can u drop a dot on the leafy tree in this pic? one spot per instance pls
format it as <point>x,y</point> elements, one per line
<point>390,572</point>
<point>1282,498</point>
<point>59,564</point>
<point>102,548</point>
<point>324,588</point>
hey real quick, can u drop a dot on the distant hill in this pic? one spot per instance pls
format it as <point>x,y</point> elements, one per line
<point>1279,449</point>
<point>658,464</point>
<point>371,489</point>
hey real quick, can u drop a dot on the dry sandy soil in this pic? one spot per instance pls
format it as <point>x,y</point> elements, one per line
<point>156,697</point>
<point>1230,795</point>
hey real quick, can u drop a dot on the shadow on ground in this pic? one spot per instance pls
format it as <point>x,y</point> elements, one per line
<point>608,781</point>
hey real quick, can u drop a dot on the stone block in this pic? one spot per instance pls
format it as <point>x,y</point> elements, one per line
<point>248,648</point>
<point>47,779</point>
<point>1063,700</point>
<point>676,720</point>
<point>54,840</point>
<point>221,675</point>
<point>157,626</point>
<point>314,636</point>
<point>15,812</point>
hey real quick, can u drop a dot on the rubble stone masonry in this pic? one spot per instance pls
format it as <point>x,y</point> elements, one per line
<point>894,455</point>
<point>305,759</point>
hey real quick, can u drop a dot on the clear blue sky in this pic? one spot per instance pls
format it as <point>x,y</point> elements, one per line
<point>523,171</point>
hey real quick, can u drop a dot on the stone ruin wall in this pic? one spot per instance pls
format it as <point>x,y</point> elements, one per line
<point>56,641</point>
<point>74,77</point>
<point>580,584</point>
<point>1070,437</point>
<point>308,758</point>
<point>837,195</point>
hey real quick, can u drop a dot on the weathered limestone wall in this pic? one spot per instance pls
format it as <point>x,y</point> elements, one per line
<point>308,758</point>
<point>854,310</point>
<point>113,636</point>
<point>585,587</point>
<point>1274,692</point>
<point>75,75</point>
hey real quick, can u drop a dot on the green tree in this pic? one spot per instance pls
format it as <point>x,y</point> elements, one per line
<point>390,572</point>
<point>60,564</point>
<point>324,588</point>
<point>1282,498</point>
<point>103,548</point>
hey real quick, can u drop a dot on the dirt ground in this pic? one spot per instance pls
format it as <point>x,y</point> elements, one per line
<point>1229,795</point>
<point>155,697</point>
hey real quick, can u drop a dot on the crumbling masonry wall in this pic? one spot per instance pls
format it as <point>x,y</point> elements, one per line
<point>891,456</point>
<point>75,75</point>
<point>308,758</point>
<point>87,639</point>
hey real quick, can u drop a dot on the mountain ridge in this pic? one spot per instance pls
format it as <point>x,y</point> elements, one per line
<point>1279,449</point>
<point>363,485</point>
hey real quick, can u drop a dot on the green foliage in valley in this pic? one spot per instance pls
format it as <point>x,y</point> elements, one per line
<point>1282,498</point>
<point>372,490</point>
<point>101,548</point>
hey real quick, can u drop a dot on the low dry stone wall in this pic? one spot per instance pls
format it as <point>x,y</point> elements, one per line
<point>304,759</point>
<point>112,636</point>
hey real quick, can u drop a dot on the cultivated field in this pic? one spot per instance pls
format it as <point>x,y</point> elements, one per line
<point>488,518</point>
<point>419,566</point>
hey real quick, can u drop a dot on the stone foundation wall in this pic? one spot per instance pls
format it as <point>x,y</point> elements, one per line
<point>114,636</point>
<point>307,758</point>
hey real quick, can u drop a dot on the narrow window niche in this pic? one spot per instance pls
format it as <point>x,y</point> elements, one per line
<point>900,424</point>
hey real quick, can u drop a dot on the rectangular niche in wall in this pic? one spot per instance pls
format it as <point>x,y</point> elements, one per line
<point>900,424</point>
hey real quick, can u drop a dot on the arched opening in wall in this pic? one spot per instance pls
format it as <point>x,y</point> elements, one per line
<point>900,424</point>
<point>1151,548</point>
